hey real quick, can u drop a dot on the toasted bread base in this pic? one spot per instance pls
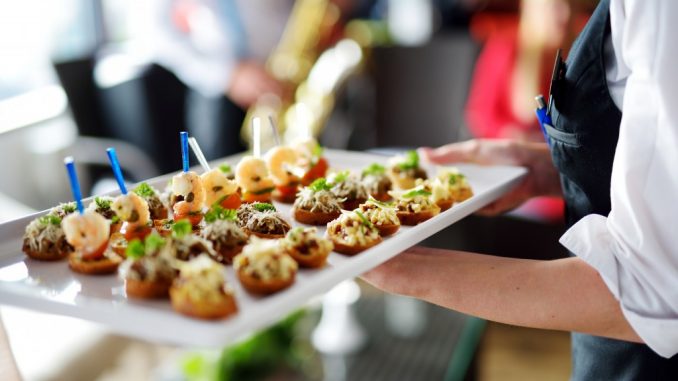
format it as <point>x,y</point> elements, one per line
<point>212,311</point>
<point>314,218</point>
<point>101,266</point>
<point>387,230</point>
<point>46,256</point>
<point>462,194</point>
<point>265,236</point>
<point>261,287</point>
<point>353,204</point>
<point>445,204</point>
<point>410,219</point>
<point>342,248</point>
<point>313,261</point>
<point>145,289</point>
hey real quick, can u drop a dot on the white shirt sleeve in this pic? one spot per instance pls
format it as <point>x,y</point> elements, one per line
<point>635,248</point>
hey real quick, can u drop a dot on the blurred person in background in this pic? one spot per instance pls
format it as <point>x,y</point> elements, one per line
<point>514,65</point>
<point>218,48</point>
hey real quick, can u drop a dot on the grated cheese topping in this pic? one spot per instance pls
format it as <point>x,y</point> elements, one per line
<point>321,201</point>
<point>379,213</point>
<point>202,279</point>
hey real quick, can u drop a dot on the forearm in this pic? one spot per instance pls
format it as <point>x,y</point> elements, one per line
<point>563,295</point>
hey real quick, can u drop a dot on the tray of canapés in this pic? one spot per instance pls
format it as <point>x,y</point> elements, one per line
<point>215,255</point>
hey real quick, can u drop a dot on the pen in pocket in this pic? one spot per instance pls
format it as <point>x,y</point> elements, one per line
<point>543,116</point>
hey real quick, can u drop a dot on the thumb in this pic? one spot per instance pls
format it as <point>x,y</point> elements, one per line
<point>450,153</point>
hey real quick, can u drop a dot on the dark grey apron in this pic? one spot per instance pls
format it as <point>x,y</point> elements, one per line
<point>583,142</point>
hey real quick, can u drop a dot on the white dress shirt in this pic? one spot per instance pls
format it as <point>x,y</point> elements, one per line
<point>635,248</point>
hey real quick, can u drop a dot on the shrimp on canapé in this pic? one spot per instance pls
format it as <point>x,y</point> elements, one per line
<point>188,188</point>
<point>220,189</point>
<point>252,176</point>
<point>310,159</point>
<point>284,165</point>
<point>88,233</point>
<point>133,210</point>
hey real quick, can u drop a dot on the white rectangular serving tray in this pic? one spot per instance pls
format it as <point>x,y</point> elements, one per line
<point>51,287</point>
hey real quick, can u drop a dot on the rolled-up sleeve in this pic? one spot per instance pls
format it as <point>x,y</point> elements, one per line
<point>635,248</point>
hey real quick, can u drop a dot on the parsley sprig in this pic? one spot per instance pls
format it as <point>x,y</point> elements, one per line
<point>181,228</point>
<point>263,207</point>
<point>320,184</point>
<point>219,213</point>
<point>137,249</point>
<point>411,161</point>
<point>144,190</point>
<point>49,219</point>
<point>374,169</point>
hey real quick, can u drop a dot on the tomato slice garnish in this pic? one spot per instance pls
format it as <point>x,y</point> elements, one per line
<point>193,218</point>
<point>251,197</point>
<point>287,190</point>
<point>315,172</point>
<point>96,254</point>
<point>231,202</point>
<point>131,231</point>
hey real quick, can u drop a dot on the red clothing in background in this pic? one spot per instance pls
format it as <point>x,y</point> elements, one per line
<point>489,112</point>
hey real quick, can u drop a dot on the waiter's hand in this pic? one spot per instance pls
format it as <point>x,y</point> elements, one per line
<point>250,81</point>
<point>542,178</point>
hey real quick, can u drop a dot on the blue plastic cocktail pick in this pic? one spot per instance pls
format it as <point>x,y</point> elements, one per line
<point>184,149</point>
<point>113,158</point>
<point>75,185</point>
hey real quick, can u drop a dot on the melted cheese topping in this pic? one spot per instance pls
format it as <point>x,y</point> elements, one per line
<point>308,238</point>
<point>317,202</point>
<point>379,214</point>
<point>265,260</point>
<point>202,279</point>
<point>415,204</point>
<point>440,191</point>
<point>351,230</point>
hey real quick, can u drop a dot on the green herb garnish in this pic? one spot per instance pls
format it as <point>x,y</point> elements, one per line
<point>153,242</point>
<point>364,219</point>
<point>103,203</point>
<point>374,169</point>
<point>49,219</point>
<point>320,184</point>
<point>317,151</point>
<point>416,192</point>
<point>69,208</point>
<point>456,178</point>
<point>181,228</point>
<point>340,177</point>
<point>115,219</point>
<point>411,161</point>
<point>225,168</point>
<point>219,213</point>
<point>380,203</point>
<point>135,249</point>
<point>263,207</point>
<point>144,190</point>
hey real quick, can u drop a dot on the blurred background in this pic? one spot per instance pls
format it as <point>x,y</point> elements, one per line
<point>77,76</point>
